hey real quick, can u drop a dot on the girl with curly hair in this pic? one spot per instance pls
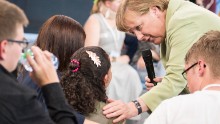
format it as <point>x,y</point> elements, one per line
<point>85,81</point>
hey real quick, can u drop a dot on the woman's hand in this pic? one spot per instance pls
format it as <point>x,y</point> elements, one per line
<point>150,85</point>
<point>118,109</point>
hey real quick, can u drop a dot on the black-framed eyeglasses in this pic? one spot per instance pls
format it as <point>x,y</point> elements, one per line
<point>23,43</point>
<point>184,72</point>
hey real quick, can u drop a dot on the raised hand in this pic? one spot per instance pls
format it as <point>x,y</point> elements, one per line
<point>43,70</point>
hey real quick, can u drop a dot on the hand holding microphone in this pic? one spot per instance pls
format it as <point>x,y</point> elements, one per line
<point>150,85</point>
<point>147,56</point>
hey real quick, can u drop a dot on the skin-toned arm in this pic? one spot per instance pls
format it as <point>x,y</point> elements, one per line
<point>92,29</point>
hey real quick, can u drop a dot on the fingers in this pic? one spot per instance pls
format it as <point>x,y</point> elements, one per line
<point>110,105</point>
<point>120,118</point>
<point>147,79</point>
<point>113,109</point>
<point>116,109</point>
<point>110,100</point>
<point>149,86</point>
<point>48,55</point>
<point>158,79</point>
<point>117,112</point>
<point>42,58</point>
<point>38,57</point>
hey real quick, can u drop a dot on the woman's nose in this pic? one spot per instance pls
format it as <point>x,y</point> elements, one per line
<point>139,35</point>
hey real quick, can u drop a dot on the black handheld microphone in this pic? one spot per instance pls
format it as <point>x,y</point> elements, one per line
<point>147,56</point>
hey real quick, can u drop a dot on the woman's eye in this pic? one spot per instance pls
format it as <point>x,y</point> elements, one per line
<point>131,32</point>
<point>138,28</point>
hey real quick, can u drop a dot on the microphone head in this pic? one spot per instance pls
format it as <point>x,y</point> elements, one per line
<point>147,55</point>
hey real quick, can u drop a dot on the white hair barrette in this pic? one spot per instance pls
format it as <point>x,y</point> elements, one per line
<point>94,58</point>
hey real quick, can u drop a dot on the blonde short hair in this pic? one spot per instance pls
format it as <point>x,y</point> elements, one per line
<point>140,7</point>
<point>10,16</point>
<point>207,48</point>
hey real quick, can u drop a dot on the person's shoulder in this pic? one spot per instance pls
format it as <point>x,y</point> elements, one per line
<point>14,94</point>
<point>98,116</point>
<point>94,16</point>
<point>92,21</point>
<point>177,100</point>
<point>9,87</point>
<point>207,95</point>
<point>183,97</point>
<point>184,100</point>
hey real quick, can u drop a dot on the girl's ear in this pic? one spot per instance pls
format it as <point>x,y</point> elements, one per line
<point>106,80</point>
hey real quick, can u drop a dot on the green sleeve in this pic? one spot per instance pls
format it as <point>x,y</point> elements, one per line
<point>177,43</point>
<point>185,24</point>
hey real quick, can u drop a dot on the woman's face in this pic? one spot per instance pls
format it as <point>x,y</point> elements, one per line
<point>149,27</point>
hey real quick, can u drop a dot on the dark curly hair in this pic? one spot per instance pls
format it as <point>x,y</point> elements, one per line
<point>83,82</point>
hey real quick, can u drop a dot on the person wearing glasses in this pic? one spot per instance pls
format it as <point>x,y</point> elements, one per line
<point>19,104</point>
<point>203,77</point>
<point>175,25</point>
<point>23,43</point>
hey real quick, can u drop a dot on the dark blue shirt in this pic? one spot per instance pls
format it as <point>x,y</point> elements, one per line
<point>26,80</point>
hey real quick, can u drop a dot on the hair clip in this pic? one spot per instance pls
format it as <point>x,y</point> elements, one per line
<point>77,62</point>
<point>94,58</point>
